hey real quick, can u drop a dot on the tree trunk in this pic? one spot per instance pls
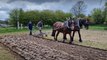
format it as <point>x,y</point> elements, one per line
<point>17,24</point>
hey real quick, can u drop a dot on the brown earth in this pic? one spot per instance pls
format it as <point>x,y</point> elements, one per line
<point>33,48</point>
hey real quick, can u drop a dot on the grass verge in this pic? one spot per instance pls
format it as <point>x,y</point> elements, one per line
<point>6,54</point>
<point>98,27</point>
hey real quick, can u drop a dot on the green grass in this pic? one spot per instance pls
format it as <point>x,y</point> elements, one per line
<point>5,54</point>
<point>98,27</point>
<point>13,29</point>
<point>10,30</point>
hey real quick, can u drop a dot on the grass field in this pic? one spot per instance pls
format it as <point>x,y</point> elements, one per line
<point>94,37</point>
<point>12,29</point>
<point>6,54</point>
<point>98,27</point>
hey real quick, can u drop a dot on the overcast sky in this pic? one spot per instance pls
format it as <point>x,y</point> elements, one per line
<point>64,5</point>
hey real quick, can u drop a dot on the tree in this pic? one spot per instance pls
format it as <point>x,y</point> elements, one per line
<point>97,16</point>
<point>21,15</point>
<point>105,12</point>
<point>13,16</point>
<point>91,20</point>
<point>33,16</point>
<point>48,16</point>
<point>16,15</point>
<point>79,8</point>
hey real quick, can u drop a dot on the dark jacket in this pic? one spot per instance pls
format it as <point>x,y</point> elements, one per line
<point>30,26</point>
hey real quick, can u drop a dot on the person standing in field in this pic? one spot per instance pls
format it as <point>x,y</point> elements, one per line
<point>40,26</point>
<point>30,26</point>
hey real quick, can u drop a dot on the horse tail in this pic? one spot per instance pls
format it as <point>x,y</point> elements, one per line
<point>53,32</point>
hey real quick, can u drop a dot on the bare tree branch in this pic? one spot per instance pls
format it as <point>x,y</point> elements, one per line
<point>78,8</point>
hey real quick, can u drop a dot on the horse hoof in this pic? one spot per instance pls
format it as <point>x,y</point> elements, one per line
<point>63,42</point>
<point>70,42</point>
<point>55,39</point>
<point>80,40</point>
<point>46,35</point>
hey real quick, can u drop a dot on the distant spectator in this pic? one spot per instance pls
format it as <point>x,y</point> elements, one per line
<point>30,26</point>
<point>40,26</point>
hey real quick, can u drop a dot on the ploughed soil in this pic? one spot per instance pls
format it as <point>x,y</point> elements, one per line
<point>33,48</point>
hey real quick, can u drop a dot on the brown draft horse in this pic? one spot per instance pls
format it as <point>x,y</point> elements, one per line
<point>58,27</point>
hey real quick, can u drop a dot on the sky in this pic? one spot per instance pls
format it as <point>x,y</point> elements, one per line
<point>65,5</point>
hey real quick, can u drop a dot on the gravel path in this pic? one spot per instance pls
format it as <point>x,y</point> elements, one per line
<point>40,49</point>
